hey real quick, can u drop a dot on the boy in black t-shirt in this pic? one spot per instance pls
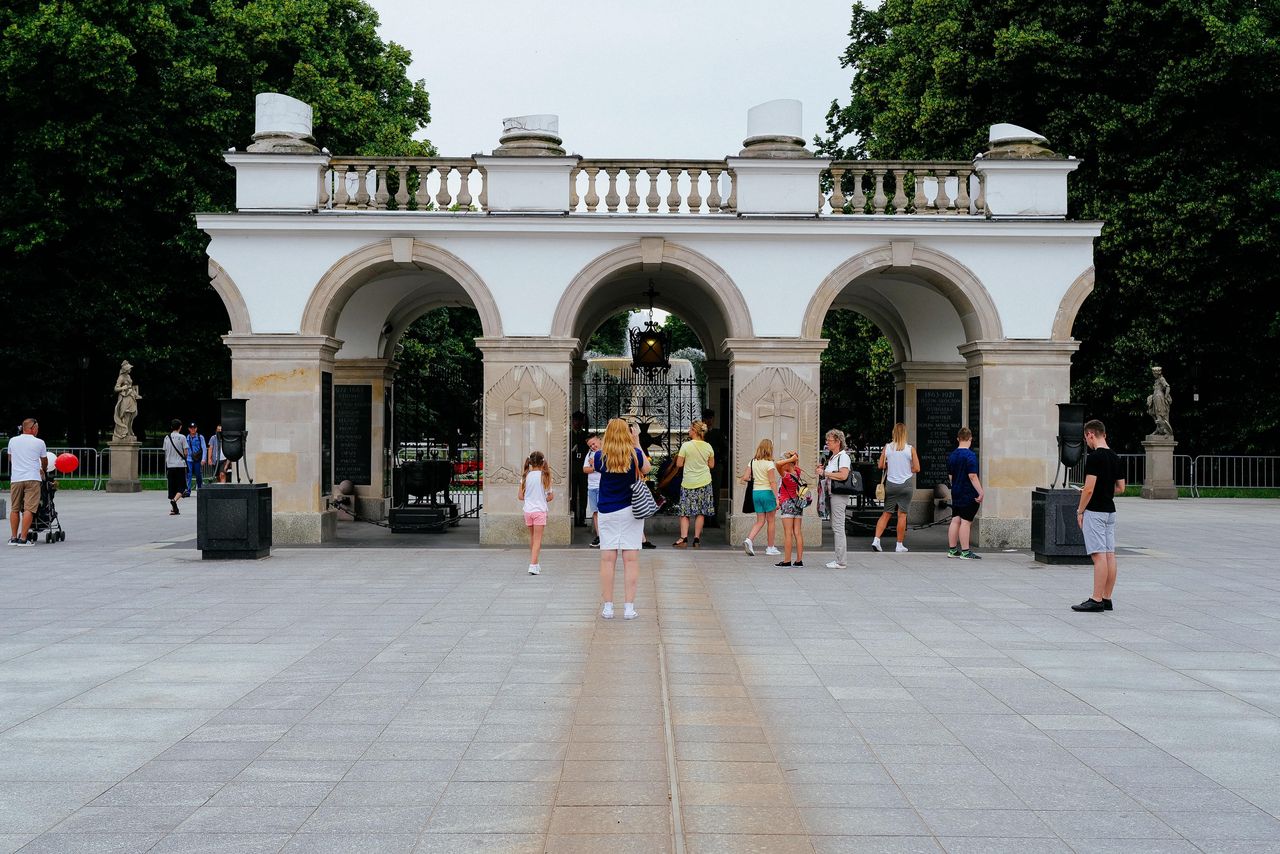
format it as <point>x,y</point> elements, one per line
<point>1096,514</point>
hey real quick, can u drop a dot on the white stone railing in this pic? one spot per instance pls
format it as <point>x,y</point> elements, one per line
<point>653,186</point>
<point>404,184</point>
<point>901,187</point>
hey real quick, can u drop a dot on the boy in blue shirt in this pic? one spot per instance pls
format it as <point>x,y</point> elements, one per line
<point>197,450</point>
<point>966,494</point>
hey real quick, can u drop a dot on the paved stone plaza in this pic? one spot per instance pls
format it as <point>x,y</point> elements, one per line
<point>397,700</point>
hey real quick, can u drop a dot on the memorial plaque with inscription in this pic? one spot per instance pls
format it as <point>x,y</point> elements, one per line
<point>353,434</point>
<point>326,432</point>
<point>938,414</point>
<point>975,408</point>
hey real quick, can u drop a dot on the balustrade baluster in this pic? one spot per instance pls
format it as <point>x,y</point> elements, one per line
<point>422,195</point>
<point>593,198</point>
<point>858,204</point>
<point>340,197</point>
<point>713,197</point>
<point>611,197</point>
<point>920,202</point>
<point>673,197</point>
<point>464,189</point>
<point>380,200</point>
<point>444,198</point>
<point>837,191</point>
<point>980,204</point>
<point>323,200</point>
<point>695,195</point>
<point>879,200</point>
<point>362,186</point>
<point>653,200</point>
<point>731,206</point>
<point>942,202</point>
<point>962,191</point>
<point>402,186</point>
<point>899,191</point>
<point>633,190</point>
<point>573,188</point>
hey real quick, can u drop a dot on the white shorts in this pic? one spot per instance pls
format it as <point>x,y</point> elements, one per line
<point>621,530</point>
<point>1099,532</point>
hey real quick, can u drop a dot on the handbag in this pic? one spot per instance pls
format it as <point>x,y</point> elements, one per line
<point>642,504</point>
<point>846,486</point>
<point>748,502</point>
<point>803,491</point>
<point>880,487</point>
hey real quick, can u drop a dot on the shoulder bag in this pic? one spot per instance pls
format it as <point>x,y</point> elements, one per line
<point>642,504</point>
<point>846,486</point>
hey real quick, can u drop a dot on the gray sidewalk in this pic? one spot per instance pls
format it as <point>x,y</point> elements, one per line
<point>440,700</point>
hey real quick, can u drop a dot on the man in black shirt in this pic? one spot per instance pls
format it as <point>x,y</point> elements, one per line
<point>1096,514</point>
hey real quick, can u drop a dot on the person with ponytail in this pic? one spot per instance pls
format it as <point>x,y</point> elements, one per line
<point>535,491</point>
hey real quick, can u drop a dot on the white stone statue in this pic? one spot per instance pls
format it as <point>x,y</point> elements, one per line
<point>1159,401</point>
<point>127,397</point>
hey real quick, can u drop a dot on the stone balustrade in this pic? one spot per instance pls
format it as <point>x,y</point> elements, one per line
<point>901,187</point>
<point>653,186</point>
<point>404,184</point>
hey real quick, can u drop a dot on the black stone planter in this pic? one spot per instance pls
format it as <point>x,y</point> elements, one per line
<point>1055,535</point>
<point>233,521</point>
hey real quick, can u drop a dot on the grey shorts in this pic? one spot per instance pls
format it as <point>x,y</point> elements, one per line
<point>1099,532</point>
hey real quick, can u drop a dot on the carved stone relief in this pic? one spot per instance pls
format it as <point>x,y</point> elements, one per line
<point>776,404</point>
<point>525,410</point>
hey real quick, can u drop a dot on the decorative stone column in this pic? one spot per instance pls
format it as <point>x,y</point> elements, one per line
<point>123,459</point>
<point>373,498</point>
<point>1021,383</point>
<point>935,407</point>
<point>775,382</point>
<point>282,376</point>
<point>1158,481</point>
<point>717,373</point>
<point>526,408</point>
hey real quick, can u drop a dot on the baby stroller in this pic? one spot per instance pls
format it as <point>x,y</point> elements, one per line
<point>46,518</point>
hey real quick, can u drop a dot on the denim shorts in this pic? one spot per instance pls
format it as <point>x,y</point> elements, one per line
<point>593,501</point>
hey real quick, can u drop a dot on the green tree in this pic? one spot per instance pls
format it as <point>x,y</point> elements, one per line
<point>611,338</point>
<point>439,382</point>
<point>1172,108</point>
<point>857,388</point>
<point>117,112</point>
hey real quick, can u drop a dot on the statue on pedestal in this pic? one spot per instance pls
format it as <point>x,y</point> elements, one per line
<point>1158,403</point>
<point>127,397</point>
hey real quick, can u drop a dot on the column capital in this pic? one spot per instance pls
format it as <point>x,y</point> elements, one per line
<point>775,351</point>
<point>281,345</point>
<point>1018,352</point>
<point>528,349</point>
<point>928,372</point>
<point>363,370</point>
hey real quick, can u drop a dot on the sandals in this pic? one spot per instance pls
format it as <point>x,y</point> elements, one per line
<point>682,543</point>
<point>697,543</point>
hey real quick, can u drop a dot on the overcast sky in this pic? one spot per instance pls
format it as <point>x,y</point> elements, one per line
<point>654,79</point>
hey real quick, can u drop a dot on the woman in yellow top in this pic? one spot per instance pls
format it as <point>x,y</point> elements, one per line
<point>763,474</point>
<point>695,459</point>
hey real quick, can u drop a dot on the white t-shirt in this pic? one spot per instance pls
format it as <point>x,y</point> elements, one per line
<point>593,480</point>
<point>535,498</point>
<point>897,463</point>
<point>25,453</point>
<point>839,460</point>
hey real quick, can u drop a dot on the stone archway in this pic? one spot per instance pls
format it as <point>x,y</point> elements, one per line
<point>352,271</point>
<point>1072,300</point>
<point>232,299</point>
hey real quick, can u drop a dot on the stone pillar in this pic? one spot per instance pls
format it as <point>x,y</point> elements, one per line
<point>937,386</point>
<point>526,407</point>
<point>717,373</point>
<point>373,499</point>
<point>281,376</point>
<point>1158,480</point>
<point>775,391</point>
<point>123,459</point>
<point>1022,383</point>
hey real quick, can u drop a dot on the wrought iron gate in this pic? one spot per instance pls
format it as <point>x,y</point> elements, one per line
<point>662,405</point>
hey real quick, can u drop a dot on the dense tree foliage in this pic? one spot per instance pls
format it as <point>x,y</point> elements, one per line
<point>439,383</point>
<point>857,388</point>
<point>116,114</point>
<point>1172,107</point>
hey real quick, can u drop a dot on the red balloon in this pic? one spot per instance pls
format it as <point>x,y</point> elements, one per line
<point>66,463</point>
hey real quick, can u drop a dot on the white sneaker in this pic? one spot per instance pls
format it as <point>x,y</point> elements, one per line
<point>749,547</point>
<point>628,611</point>
<point>772,551</point>
<point>835,565</point>
<point>607,611</point>
<point>902,548</point>
<point>875,545</point>
<point>535,568</point>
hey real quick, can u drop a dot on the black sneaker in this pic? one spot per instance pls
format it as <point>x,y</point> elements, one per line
<point>783,563</point>
<point>953,552</point>
<point>647,545</point>
<point>1090,606</point>
<point>797,563</point>
<point>1106,605</point>
<point>969,555</point>
<point>595,544</point>
<point>14,541</point>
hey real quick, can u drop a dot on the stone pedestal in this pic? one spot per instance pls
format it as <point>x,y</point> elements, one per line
<point>124,466</point>
<point>1158,480</point>
<point>1055,534</point>
<point>233,521</point>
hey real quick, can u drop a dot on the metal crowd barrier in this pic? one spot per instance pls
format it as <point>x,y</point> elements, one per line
<point>1207,471</point>
<point>90,470</point>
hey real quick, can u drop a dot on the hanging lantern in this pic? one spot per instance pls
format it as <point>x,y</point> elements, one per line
<point>650,344</point>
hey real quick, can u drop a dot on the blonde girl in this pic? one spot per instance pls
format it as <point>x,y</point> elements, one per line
<point>535,492</point>
<point>899,463</point>
<point>620,462</point>
<point>791,508</point>
<point>764,496</point>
